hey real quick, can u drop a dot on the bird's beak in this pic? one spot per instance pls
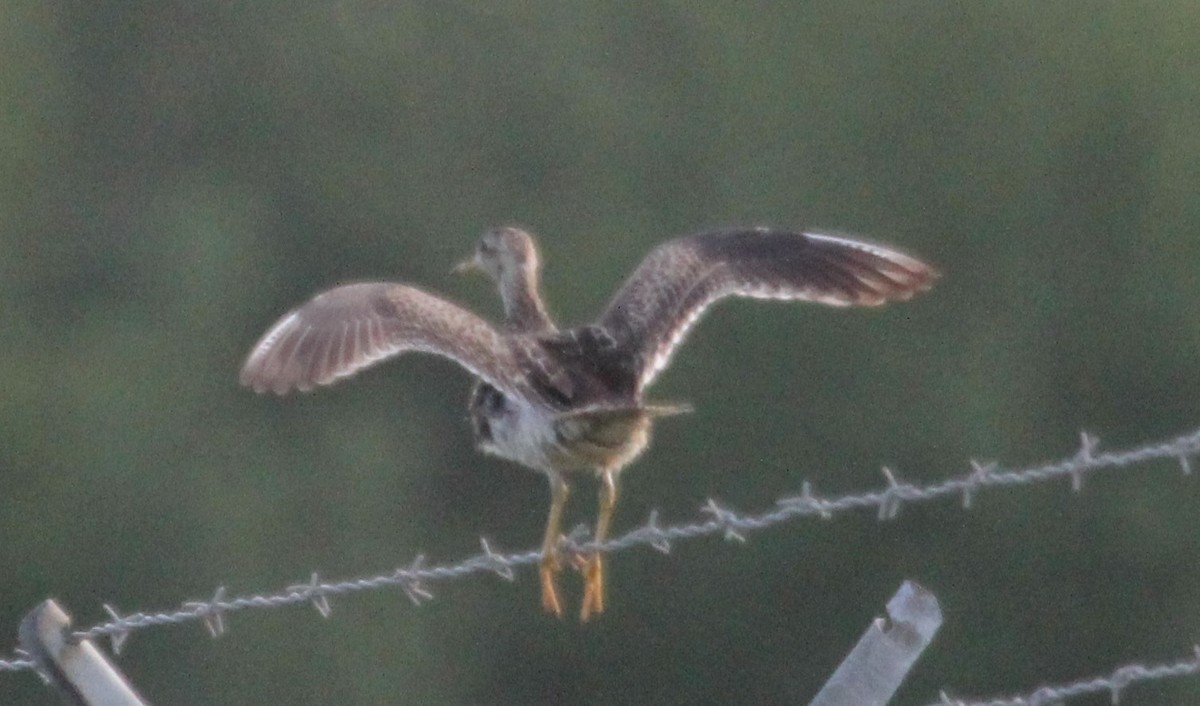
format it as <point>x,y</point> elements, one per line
<point>471,264</point>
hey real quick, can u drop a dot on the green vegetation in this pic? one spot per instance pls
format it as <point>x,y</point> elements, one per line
<point>176,175</point>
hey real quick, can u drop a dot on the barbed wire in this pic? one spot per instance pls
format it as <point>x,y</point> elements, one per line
<point>1114,683</point>
<point>415,578</point>
<point>16,665</point>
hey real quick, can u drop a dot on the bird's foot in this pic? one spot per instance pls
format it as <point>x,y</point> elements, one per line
<point>549,569</point>
<point>593,587</point>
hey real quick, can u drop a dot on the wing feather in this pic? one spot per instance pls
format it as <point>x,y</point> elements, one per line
<point>346,329</point>
<point>668,293</point>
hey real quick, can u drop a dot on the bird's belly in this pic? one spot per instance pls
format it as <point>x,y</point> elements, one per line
<point>556,443</point>
<point>601,441</point>
<point>523,434</point>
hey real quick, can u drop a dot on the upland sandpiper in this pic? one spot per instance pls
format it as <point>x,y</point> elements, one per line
<point>571,401</point>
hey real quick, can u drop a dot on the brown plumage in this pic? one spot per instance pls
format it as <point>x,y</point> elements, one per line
<point>567,401</point>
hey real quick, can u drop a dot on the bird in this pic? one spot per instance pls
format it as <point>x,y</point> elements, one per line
<point>569,402</point>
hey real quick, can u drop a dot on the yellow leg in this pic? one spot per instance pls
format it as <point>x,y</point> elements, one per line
<point>593,586</point>
<point>551,565</point>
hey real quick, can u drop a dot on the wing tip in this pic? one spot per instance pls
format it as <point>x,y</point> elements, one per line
<point>901,275</point>
<point>260,383</point>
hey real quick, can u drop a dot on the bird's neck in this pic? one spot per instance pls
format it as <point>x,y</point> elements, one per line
<point>523,307</point>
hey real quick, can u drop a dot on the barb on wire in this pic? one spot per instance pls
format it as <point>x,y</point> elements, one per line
<point>312,589</point>
<point>211,612</point>
<point>727,519</point>
<point>715,519</point>
<point>654,534</point>
<point>499,563</point>
<point>1114,684</point>
<point>409,581</point>
<point>895,494</point>
<point>117,639</point>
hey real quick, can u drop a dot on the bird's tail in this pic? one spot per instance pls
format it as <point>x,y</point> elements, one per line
<point>615,412</point>
<point>668,409</point>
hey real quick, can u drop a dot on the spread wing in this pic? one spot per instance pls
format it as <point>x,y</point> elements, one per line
<point>348,328</point>
<point>653,312</point>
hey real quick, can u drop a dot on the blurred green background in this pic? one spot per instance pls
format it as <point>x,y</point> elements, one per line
<point>177,174</point>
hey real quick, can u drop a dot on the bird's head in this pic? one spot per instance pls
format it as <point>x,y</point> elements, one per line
<point>503,254</point>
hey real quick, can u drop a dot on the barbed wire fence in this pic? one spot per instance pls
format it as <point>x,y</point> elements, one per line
<point>414,579</point>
